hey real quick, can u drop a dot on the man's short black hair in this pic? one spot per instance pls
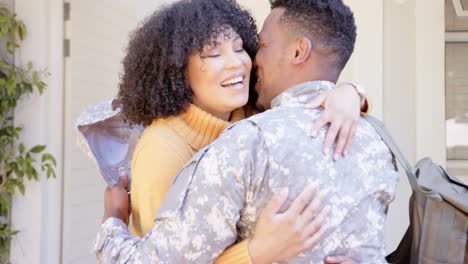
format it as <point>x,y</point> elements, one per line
<point>328,23</point>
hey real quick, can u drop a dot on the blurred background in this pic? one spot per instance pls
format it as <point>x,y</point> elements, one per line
<point>411,55</point>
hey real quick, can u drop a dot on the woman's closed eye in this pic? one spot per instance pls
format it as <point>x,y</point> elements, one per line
<point>210,56</point>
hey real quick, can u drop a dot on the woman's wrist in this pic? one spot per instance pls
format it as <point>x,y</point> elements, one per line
<point>361,92</point>
<point>256,254</point>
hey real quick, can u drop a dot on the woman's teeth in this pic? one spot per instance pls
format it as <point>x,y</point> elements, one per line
<point>233,81</point>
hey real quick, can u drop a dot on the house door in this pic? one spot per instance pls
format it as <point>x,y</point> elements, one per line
<point>96,32</point>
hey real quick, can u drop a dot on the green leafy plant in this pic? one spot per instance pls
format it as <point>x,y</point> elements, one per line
<point>17,163</point>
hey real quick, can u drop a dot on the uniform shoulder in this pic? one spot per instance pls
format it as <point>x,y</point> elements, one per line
<point>238,135</point>
<point>245,126</point>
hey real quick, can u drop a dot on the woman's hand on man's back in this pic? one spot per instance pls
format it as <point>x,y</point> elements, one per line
<point>280,236</point>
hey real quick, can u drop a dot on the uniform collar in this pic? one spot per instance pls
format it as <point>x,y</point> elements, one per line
<point>302,93</point>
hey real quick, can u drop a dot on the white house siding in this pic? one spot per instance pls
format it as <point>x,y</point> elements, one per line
<point>413,98</point>
<point>98,33</point>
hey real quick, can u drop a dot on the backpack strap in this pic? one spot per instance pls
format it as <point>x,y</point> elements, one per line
<point>387,138</point>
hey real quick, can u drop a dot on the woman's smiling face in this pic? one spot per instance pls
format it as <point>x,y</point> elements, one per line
<point>219,75</point>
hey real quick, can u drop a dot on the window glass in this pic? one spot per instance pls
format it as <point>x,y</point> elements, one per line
<point>456,100</point>
<point>454,23</point>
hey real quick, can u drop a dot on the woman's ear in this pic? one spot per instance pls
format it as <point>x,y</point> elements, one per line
<point>303,48</point>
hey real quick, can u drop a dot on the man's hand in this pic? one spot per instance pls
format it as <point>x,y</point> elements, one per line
<point>116,201</point>
<point>342,110</point>
<point>281,236</point>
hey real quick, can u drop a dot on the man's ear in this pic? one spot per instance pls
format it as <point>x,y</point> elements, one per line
<point>303,48</point>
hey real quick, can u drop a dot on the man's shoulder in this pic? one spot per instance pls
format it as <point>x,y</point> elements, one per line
<point>284,122</point>
<point>242,127</point>
<point>243,135</point>
<point>240,137</point>
<point>283,114</point>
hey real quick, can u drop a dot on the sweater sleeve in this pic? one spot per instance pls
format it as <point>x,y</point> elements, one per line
<point>154,167</point>
<point>236,254</point>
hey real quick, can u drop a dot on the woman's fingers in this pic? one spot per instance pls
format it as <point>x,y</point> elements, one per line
<point>311,211</point>
<point>351,135</point>
<point>314,239</point>
<point>317,223</point>
<point>335,127</point>
<point>342,139</point>
<point>281,236</point>
<point>317,101</point>
<point>319,123</point>
<point>276,202</point>
<point>339,260</point>
<point>301,201</point>
<point>341,110</point>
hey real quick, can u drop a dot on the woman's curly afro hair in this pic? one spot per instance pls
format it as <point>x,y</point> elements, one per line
<point>153,84</point>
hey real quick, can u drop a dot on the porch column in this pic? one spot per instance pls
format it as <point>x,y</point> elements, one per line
<point>38,214</point>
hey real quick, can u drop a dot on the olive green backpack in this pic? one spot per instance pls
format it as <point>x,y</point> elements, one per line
<point>438,212</point>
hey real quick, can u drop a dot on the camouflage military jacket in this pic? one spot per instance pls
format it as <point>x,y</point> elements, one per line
<point>216,199</point>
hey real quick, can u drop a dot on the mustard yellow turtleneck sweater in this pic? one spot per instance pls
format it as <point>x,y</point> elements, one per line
<point>162,151</point>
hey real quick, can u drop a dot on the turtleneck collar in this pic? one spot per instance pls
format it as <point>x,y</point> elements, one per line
<point>200,128</point>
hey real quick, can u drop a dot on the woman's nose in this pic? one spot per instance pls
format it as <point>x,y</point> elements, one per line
<point>233,60</point>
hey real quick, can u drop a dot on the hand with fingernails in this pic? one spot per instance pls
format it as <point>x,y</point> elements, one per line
<point>342,109</point>
<point>280,236</point>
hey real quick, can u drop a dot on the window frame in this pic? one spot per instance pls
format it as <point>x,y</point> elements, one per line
<point>459,10</point>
